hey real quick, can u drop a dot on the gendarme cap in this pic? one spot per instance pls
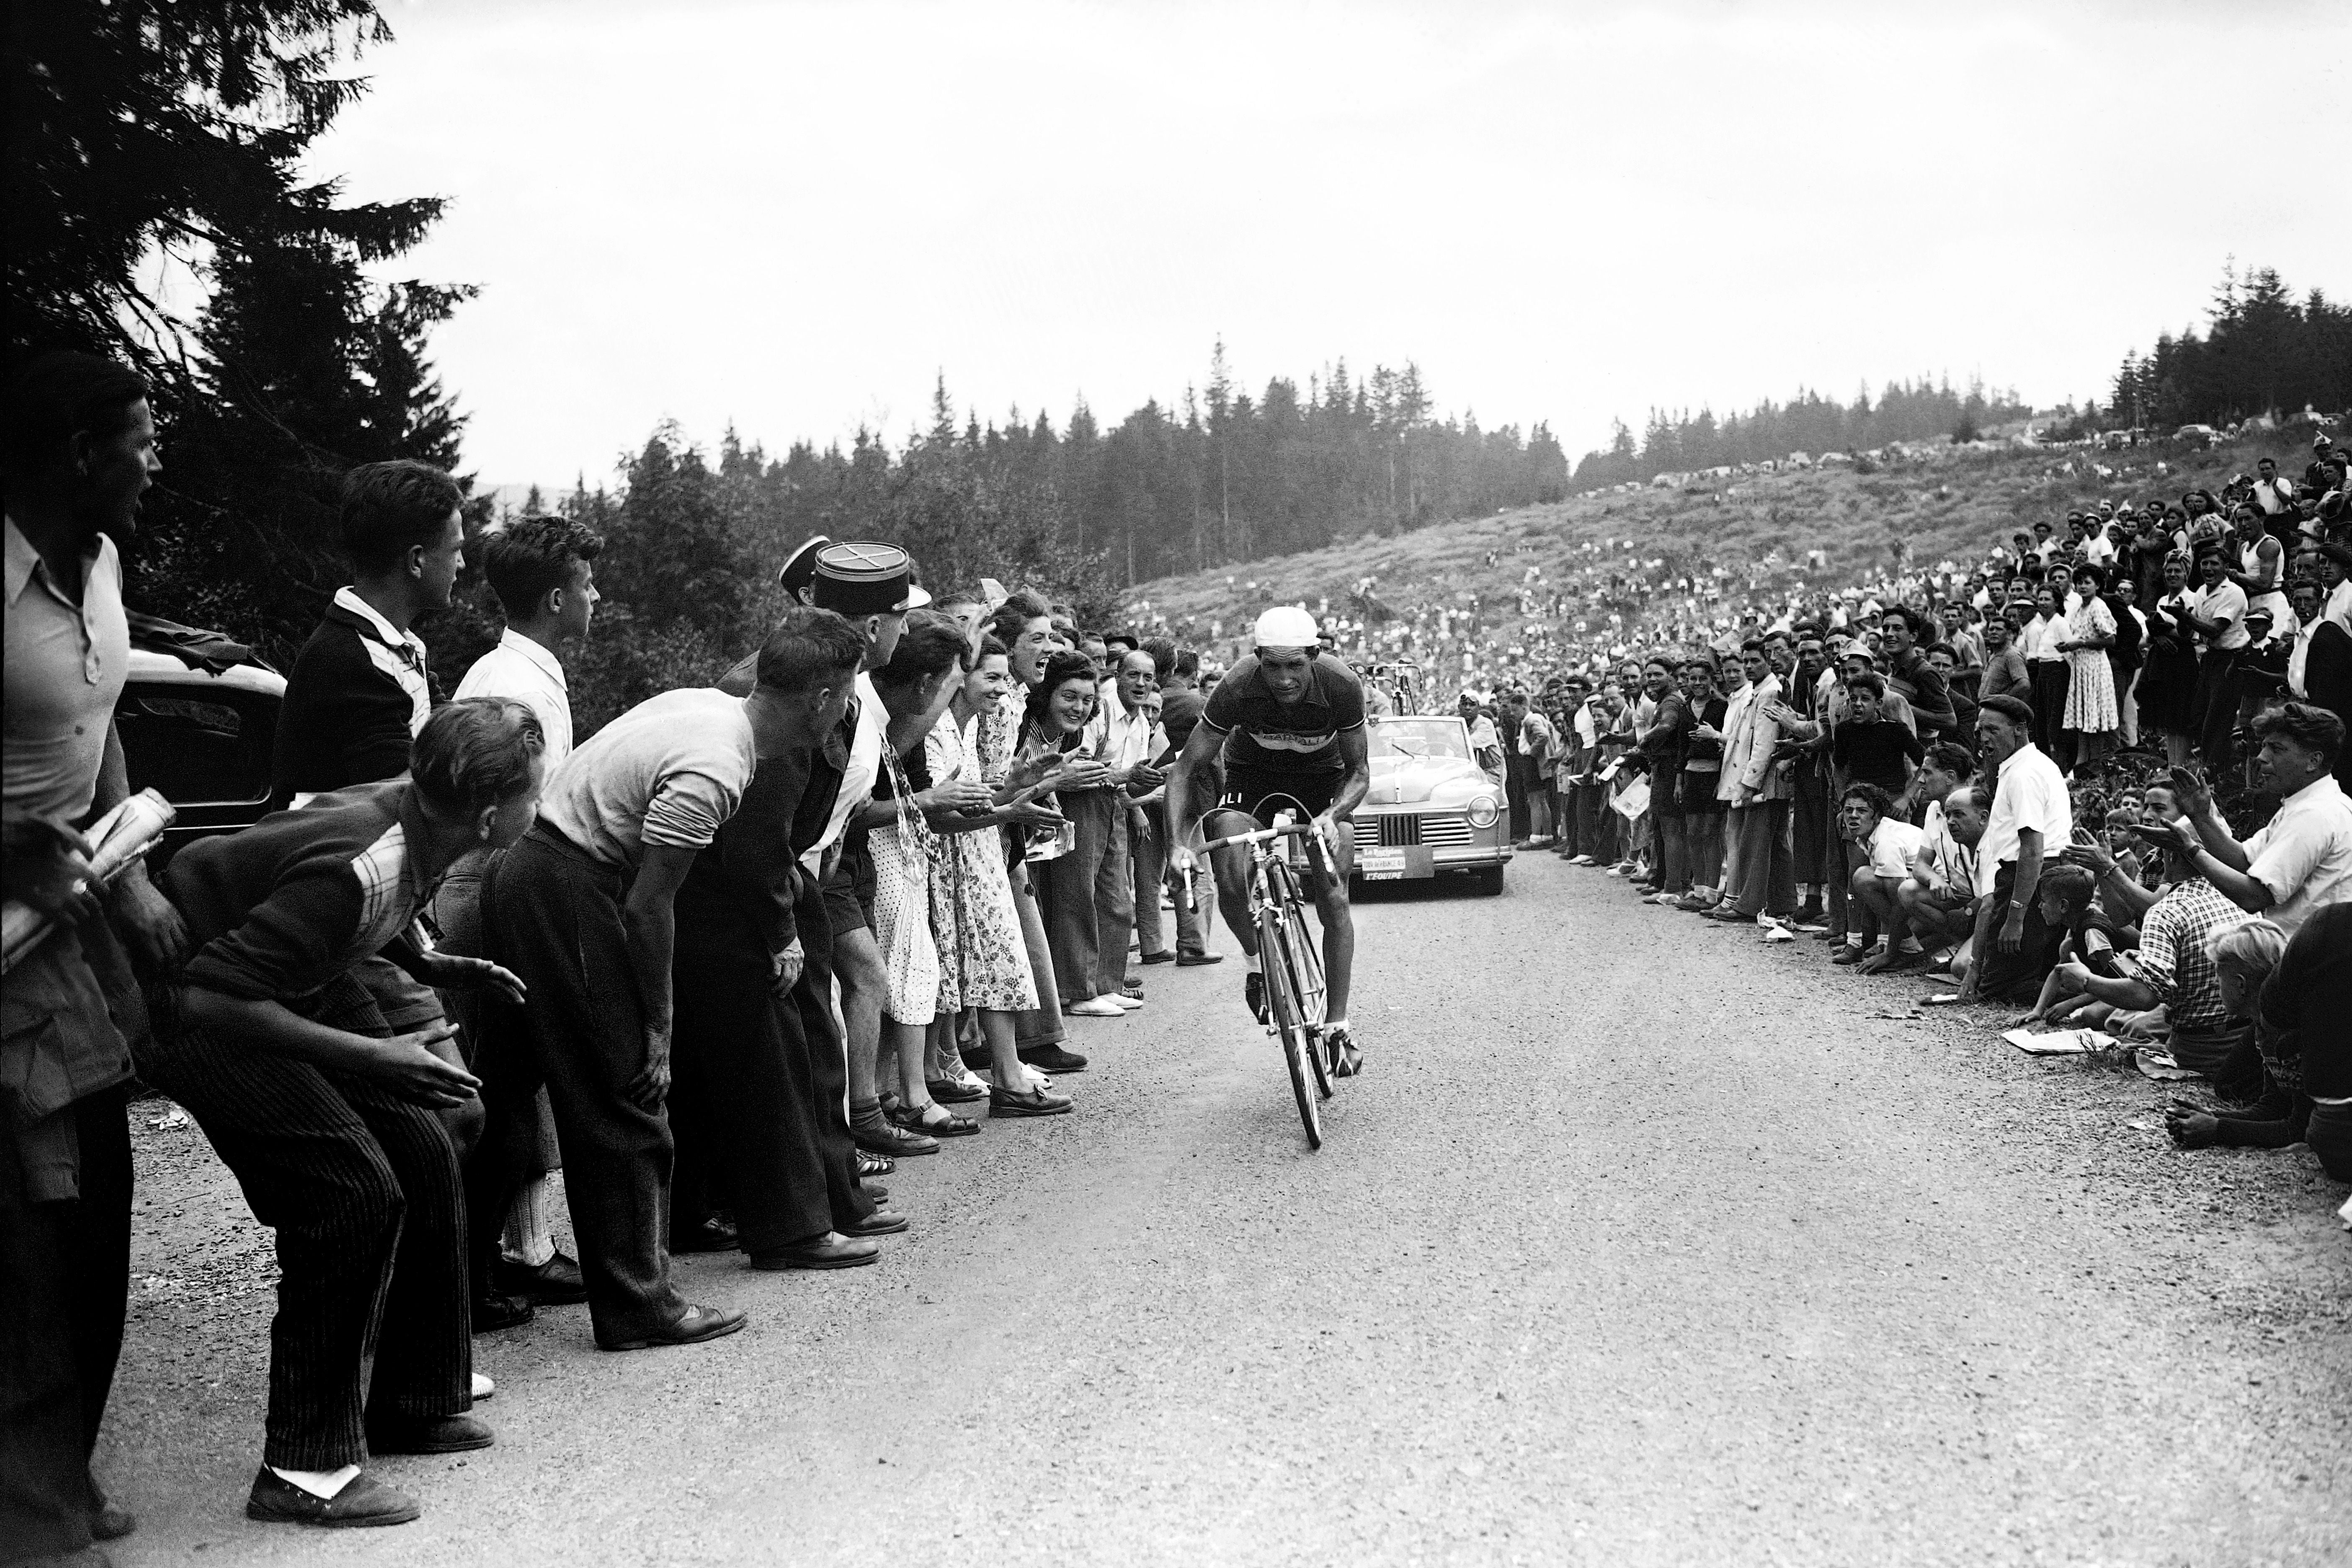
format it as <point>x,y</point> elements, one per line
<point>863,578</point>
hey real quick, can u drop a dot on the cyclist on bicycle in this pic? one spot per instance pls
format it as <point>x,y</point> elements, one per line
<point>1289,719</point>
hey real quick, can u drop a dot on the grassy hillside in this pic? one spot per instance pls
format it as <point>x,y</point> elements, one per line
<point>1935,506</point>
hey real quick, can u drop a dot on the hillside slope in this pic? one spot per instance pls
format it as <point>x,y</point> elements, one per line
<point>1749,536</point>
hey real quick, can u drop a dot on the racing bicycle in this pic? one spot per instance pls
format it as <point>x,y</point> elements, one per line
<point>1291,959</point>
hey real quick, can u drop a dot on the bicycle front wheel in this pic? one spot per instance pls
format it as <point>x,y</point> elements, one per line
<point>1303,957</point>
<point>1281,1009</point>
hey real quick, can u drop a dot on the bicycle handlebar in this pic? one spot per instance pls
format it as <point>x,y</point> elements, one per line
<point>1260,836</point>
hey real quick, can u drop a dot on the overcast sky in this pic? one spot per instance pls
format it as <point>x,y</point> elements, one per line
<point>792,217</point>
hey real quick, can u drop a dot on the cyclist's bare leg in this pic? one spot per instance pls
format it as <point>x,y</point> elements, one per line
<point>1339,931</point>
<point>1230,866</point>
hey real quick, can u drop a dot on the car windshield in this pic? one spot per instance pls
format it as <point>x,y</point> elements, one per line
<point>1421,738</point>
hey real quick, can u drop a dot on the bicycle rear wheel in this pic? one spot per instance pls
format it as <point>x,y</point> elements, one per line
<point>1282,1008</point>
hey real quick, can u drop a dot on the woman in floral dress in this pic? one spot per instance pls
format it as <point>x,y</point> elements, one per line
<point>2091,714</point>
<point>983,960</point>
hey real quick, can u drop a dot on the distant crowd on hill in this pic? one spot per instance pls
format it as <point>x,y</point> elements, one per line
<point>2097,778</point>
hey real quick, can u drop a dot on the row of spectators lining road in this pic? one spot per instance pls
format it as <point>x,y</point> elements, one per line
<point>724,962</point>
<point>2094,783</point>
<point>704,977</point>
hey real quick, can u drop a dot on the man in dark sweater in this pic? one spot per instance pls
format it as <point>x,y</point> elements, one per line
<point>360,691</point>
<point>1913,679</point>
<point>1873,750</point>
<point>328,1114</point>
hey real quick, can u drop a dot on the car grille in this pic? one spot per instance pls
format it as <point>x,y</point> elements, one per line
<point>1401,829</point>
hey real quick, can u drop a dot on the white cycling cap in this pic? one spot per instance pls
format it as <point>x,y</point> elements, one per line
<point>1285,626</point>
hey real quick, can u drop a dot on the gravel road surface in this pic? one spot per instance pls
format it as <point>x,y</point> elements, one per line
<point>1640,1242</point>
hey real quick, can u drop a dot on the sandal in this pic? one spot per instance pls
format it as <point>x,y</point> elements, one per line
<point>921,1122</point>
<point>874,1164</point>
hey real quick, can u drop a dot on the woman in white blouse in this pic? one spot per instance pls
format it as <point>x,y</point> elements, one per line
<point>2045,665</point>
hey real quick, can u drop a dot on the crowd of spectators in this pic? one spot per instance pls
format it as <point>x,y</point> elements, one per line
<point>720,964</point>
<point>2018,782</point>
<point>705,976</point>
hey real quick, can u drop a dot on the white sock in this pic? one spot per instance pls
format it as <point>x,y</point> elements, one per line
<point>1335,1023</point>
<point>1252,959</point>
<point>528,1222</point>
<point>318,1483</point>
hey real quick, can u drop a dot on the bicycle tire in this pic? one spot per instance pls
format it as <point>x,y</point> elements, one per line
<point>1303,956</point>
<point>1281,1009</point>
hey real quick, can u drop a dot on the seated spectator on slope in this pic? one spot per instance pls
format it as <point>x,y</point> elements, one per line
<point>1938,901</point>
<point>1889,845</point>
<point>2168,971</point>
<point>2299,861</point>
<point>2068,898</point>
<point>2303,1022</point>
<point>1946,770</point>
<point>330,1119</point>
<point>2032,816</point>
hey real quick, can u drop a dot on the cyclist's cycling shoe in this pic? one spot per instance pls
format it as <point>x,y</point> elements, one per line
<point>1347,1061</point>
<point>1253,992</point>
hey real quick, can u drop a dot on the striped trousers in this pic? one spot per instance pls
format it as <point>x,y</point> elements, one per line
<point>362,1188</point>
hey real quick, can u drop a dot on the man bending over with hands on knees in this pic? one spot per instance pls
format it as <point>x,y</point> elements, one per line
<point>328,1119</point>
<point>1289,720</point>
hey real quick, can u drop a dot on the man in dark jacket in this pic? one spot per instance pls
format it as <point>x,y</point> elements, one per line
<point>360,692</point>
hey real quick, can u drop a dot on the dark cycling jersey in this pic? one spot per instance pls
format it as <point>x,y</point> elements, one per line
<point>1303,738</point>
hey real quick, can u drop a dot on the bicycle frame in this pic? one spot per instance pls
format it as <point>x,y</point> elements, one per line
<point>1291,961</point>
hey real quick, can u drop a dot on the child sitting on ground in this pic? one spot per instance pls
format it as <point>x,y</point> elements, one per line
<point>2064,896</point>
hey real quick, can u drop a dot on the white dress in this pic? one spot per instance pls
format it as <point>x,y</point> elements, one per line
<point>2091,679</point>
<point>902,905</point>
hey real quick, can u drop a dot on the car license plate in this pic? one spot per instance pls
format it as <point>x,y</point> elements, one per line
<point>1392,864</point>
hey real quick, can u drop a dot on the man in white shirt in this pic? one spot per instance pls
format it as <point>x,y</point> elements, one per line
<point>1890,848</point>
<point>542,571</point>
<point>1938,902</point>
<point>2299,860</point>
<point>1119,735</point>
<point>2270,497</point>
<point>81,451</point>
<point>2217,613</point>
<point>2033,817</point>
<point>583,910</point>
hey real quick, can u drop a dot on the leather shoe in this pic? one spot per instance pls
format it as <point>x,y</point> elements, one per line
<point>493,1312</point>
<point>1034,1102</point>
<point>831,1250</point>
<point>1195,959</point>
<point>882,1137</point>
<point>364,1500</point>
<point>694,1326</point>
<point>1052,1059</point>
<point>960,1091</point>
<point>713,1235</point>
<point>881,1221</point>
<point>428,1435</point>
<point>1161,957</point>
<point>111,1523</point>
<point>554,1283</point>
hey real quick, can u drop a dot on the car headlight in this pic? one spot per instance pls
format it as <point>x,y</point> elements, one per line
<point>1483,811</point>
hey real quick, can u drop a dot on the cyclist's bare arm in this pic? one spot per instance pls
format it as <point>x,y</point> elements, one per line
<point>1356,751</point>
<point>1199,752</point>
